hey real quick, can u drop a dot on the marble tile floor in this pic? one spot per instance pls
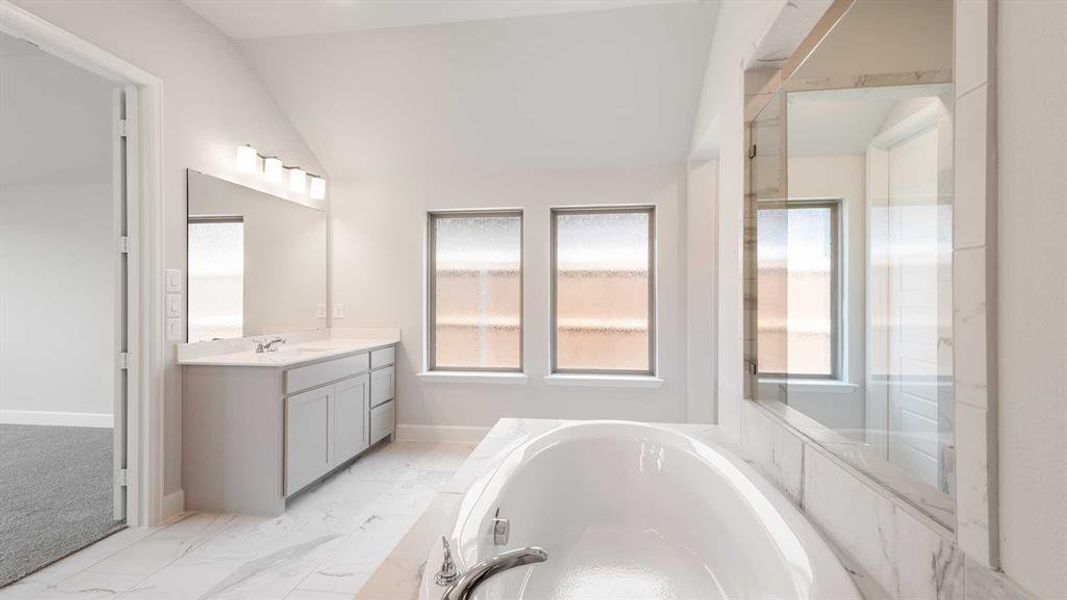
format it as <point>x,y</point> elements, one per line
<point>325,547</point>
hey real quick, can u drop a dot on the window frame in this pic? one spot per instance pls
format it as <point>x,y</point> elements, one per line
<point>431,288</point>
<point>555,212</point>
<point>836,288</point>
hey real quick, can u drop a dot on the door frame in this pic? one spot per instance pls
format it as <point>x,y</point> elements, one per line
<point>144,409</point>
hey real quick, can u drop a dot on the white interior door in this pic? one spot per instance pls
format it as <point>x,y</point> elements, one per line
<point>912,324</point>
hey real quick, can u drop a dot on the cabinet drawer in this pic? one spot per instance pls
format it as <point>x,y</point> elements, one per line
<point>302,378</point>
<point>382,421</point>
<point>381,386</point>
<point>380,358</point>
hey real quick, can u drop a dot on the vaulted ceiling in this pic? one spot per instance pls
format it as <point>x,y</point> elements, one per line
<point>587,89</point>
<point>248,19</point>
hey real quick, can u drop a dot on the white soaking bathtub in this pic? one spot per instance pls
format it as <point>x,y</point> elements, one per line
<point>629,511</point>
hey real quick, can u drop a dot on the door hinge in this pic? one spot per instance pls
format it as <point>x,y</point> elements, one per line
<point>124,244</point>
<point>124,360</point>
<point>122,477</point>
<point>122,127</point>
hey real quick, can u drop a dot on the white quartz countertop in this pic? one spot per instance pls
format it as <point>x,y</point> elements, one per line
<point>289,355</point>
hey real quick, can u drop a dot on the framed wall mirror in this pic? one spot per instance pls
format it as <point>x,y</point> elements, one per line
<point>849,256</point>
<point>256,262</point>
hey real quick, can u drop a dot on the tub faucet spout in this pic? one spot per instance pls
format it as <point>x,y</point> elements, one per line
<point>464,588</point>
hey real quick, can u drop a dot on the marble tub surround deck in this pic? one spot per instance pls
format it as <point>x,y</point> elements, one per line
<point>300,347</point>
<point>890,552</point>
<point>325,546</point>
<point>894,549</point>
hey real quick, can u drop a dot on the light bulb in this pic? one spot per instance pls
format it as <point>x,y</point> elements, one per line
<point>272,169</point>
<point>246,159</point>
<point>318,188</point>
<point>297,179</point>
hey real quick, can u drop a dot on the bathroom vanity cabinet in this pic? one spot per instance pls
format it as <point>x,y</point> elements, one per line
<point>253,435</point>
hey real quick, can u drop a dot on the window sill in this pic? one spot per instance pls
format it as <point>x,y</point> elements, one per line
<point>822,386</point>
<point>618,381</point>
<point>506,378</point>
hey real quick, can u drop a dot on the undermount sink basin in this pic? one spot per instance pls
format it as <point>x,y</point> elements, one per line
<point>305,350</point>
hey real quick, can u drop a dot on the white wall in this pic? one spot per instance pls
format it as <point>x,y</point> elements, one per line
<point>378,245</point>
<point>718,131</point>
<point>57,242</point>
<point>212,102</point>
<point>739,30</point>
<point>1032,235</point>
<point>700,226</point>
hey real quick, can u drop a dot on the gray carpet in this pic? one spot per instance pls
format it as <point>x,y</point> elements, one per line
<point>55,494</point>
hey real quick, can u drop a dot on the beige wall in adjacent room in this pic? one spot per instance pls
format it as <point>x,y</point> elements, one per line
<point>57,241</point>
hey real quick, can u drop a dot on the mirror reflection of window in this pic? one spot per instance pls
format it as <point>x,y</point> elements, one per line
<point>216,278</point>
<point>797,250</point>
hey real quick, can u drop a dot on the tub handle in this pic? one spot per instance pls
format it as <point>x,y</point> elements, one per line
<point>501,529</point>
<point>448,573</point>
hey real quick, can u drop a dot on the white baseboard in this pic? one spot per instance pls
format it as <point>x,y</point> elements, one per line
<point>440,433</point>
<point>66,419</point>
<point>173,504</point>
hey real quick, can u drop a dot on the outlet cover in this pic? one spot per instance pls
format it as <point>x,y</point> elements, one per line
<point>174,280</point>
<point>174,305</point>
<point>175,333</point>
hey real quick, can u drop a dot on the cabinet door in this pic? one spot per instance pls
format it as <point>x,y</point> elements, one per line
<point>307,437</point>
<point>350,418</point>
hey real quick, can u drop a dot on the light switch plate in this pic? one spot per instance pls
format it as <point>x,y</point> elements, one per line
<point>320,311</point>
<point>174,305</point>
<point>338,311</point>
<point>174,330</point>
<point>174,280</point>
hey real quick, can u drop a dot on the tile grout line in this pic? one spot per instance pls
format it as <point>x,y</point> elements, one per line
<point>52,586</point>
<point>227,526</point>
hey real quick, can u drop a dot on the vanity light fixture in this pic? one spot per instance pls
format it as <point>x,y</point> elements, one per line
<point>272,169</point>
<point>274,172</point>
<point>297,179</point>
<point>246,159</point>
<point>318,188</point>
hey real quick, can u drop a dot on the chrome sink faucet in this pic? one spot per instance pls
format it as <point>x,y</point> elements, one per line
<point>461,587</point>
<point>268,346</point>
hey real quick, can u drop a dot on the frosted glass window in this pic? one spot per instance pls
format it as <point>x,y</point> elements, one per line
<point>797,274</point>
<point>216,279</point>
<point>602,287</point>
<point>476,291</point>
